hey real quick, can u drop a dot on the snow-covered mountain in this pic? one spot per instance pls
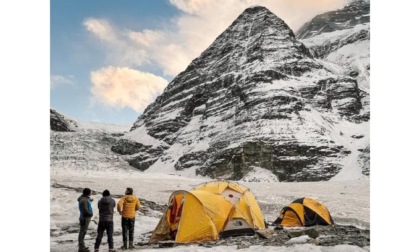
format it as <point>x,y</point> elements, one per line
<point>342,37</point>
<point>257,98</point>
<point>355,13</point>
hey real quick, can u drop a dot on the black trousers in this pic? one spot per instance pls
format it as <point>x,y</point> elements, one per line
<point>127,226</point>
<point>84,224</point>
<point>109,227</point>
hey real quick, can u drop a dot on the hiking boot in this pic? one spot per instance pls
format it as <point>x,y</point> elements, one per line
<point>97,250</point>
<point>112,250</point>
<point>124,247</point>
<point>85,249</point>
<point>131,246</point>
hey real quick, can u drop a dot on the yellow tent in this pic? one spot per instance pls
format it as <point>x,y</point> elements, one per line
<point>304,212</point>
<point>210,210</point>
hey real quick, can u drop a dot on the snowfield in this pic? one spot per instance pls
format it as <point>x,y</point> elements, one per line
<point>348,202</point>
<point>347,198</point>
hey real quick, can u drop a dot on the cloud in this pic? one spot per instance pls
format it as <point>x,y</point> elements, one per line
<point>123,48</point>
<point>294,12</point>
<point>193,30</point>
<point>125,87</point>
<point>56,80</point>
<point>146,38</point>
<point>190,6</point>
<point>102,29</point>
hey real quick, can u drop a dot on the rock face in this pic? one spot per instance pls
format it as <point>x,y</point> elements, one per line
<point>356,13</point>
<point>256,97</point>
<point>58,122</point>
<point>342,37</point>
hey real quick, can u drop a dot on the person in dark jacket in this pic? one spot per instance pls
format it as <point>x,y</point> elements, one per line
<point>86,213</point>
<point>106,207</point>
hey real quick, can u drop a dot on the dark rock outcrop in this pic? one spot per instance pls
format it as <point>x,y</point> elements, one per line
<point>58,122</point>
<point>364,160</point>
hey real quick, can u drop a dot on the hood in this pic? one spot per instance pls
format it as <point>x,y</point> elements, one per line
<point>130,198</point>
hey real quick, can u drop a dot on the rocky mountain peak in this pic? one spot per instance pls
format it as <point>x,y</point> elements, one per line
<point>254,99</point>
<point>253,35</point>
<point>262,18</point>
<point>256,44</point>
<point>256,9</point>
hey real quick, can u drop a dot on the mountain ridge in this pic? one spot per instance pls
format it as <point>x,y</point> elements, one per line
<point>355,13</point>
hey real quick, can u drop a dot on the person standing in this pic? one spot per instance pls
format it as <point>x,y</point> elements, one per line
<point>127,207</point>
<point>86,213</point>
<point>106,207</point>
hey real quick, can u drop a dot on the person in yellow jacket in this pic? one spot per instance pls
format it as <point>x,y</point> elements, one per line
<point>127,207</point>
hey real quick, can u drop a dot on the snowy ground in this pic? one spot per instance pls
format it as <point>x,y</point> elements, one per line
<point>348,202</point>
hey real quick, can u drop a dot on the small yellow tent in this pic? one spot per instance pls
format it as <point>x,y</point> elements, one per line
<point>304,212</point>
<point>209,211</point>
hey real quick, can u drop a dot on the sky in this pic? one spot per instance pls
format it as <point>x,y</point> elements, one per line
<point>110,59</point>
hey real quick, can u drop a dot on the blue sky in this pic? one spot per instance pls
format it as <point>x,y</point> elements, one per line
<point>74,53</point>
<point>110,59</point>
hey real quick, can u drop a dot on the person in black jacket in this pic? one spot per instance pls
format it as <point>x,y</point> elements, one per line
<point>106,207</point>
<point>86,213</point>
